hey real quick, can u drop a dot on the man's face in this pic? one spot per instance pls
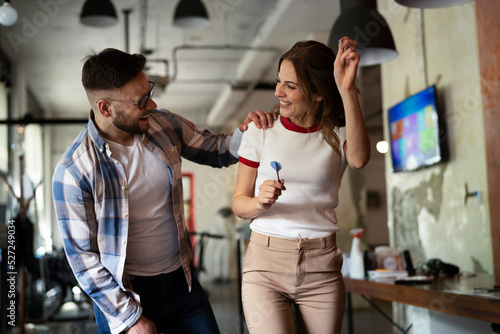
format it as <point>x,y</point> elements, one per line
<point>126,115</point>
<point>130,122</point>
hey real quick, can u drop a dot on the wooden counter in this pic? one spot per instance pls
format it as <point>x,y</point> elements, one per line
<point>471,297</point>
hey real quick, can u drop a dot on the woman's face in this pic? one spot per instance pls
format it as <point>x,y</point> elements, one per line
<point>293,104</point>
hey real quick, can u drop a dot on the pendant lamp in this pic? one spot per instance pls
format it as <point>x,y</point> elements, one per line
<point>191,14</point>
<point>430,3</point>
<point>8,14</point>
<point>360,20</point>
<point>98,13</point>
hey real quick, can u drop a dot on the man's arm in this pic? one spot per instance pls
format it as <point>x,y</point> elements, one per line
<point>143,325</point>
<point>74,207</point>
<point>216,150</point>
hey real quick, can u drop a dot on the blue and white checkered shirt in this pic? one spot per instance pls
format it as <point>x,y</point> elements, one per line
<point>91,200</point>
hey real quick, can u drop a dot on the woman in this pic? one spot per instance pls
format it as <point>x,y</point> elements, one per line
<point>292,267</point>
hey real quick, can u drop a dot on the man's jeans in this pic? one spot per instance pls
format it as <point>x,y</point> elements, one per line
<point>167,302</point>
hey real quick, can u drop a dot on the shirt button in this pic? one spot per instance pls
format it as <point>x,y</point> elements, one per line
<point>100,150</point>
<point>124,242</point>
<point>124,187</point>
<point>172,149</point>
<point>117,162</point>
<point>125,215</point>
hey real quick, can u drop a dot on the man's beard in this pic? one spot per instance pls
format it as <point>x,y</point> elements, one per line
<point>123,122</point>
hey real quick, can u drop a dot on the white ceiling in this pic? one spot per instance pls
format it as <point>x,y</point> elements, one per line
<point>213,70</point>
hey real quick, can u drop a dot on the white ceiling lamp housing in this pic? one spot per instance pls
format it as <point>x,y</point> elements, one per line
<point>191,14</point>
<point>98,13</point>
<point>431,3</point>
<point>8,14</point>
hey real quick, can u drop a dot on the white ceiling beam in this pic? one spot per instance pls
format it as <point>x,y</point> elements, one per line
<point>250,69</point>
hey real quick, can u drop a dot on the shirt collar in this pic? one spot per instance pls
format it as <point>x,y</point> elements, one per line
<point>94,133</point>
<point>295,128</point>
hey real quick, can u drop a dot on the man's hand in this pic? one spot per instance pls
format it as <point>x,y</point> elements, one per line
<point>142,326</point>
<point>262,119</point>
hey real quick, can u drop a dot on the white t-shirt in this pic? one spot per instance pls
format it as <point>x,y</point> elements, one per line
<point>153,245</point>
<point>312,172</point>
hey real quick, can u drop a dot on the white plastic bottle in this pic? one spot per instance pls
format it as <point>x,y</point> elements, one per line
<point>357,267</point>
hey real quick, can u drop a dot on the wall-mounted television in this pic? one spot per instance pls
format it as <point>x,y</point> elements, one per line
<point>414,132</point>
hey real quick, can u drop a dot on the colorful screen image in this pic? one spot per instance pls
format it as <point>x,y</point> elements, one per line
<point>414,132</point>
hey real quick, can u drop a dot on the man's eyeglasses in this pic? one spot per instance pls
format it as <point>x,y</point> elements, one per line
<point>142,101</point>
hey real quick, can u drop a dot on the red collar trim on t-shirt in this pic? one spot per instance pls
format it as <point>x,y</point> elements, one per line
<point>292,127</point>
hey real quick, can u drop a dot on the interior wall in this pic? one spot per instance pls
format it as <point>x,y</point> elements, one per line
<point>374,196</point>
<point>488,26</point>
<point>429,205</point>
<point>427,209</point>
<point>213,191</point>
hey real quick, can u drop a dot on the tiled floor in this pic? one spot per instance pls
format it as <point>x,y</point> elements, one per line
<point>224,298</point>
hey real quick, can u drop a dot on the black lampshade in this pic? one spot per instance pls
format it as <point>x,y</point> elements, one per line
<point>360,20</point>
<point>430,3</point>
<point>98,13</point>
<point>191,14</point>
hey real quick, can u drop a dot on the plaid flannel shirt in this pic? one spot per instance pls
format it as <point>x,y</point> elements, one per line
<point>91,200</point>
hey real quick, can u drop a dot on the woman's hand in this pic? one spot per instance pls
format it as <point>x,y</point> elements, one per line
<point>346,65</point>
<point>269,191</point>
<point>357,147</point>
<point>245,203</point>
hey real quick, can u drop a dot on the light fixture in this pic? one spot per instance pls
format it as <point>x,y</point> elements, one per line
<point>8,14</point>
<point>430,3</point>
<point>360,20</point>
<point>191,14</point>
<point>98,13</point>
<point>382,147</point>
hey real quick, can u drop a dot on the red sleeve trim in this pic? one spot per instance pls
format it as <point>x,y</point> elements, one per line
<point>249,163</point>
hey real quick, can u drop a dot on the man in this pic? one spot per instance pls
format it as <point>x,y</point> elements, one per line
<point>118,198</point>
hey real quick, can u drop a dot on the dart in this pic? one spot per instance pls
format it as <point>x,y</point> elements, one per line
<point>277,167</point>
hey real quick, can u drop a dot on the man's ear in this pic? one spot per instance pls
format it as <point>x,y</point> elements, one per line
<point>104,108</point>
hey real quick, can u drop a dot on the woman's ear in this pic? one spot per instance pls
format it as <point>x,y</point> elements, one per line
<point>319,98</point>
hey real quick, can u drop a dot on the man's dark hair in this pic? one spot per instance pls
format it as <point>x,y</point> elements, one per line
<point>110,69</point>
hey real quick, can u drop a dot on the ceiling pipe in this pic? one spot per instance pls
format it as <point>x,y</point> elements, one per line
<point>43,121</point>
<point>231,99</point>
<point>143,22</point>
<point>431,3</point>
<point>126,14</point>
<point>160,80</point>
<point>175,60</point>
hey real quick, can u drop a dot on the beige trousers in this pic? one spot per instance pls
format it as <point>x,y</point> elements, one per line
<point>305,273</point>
